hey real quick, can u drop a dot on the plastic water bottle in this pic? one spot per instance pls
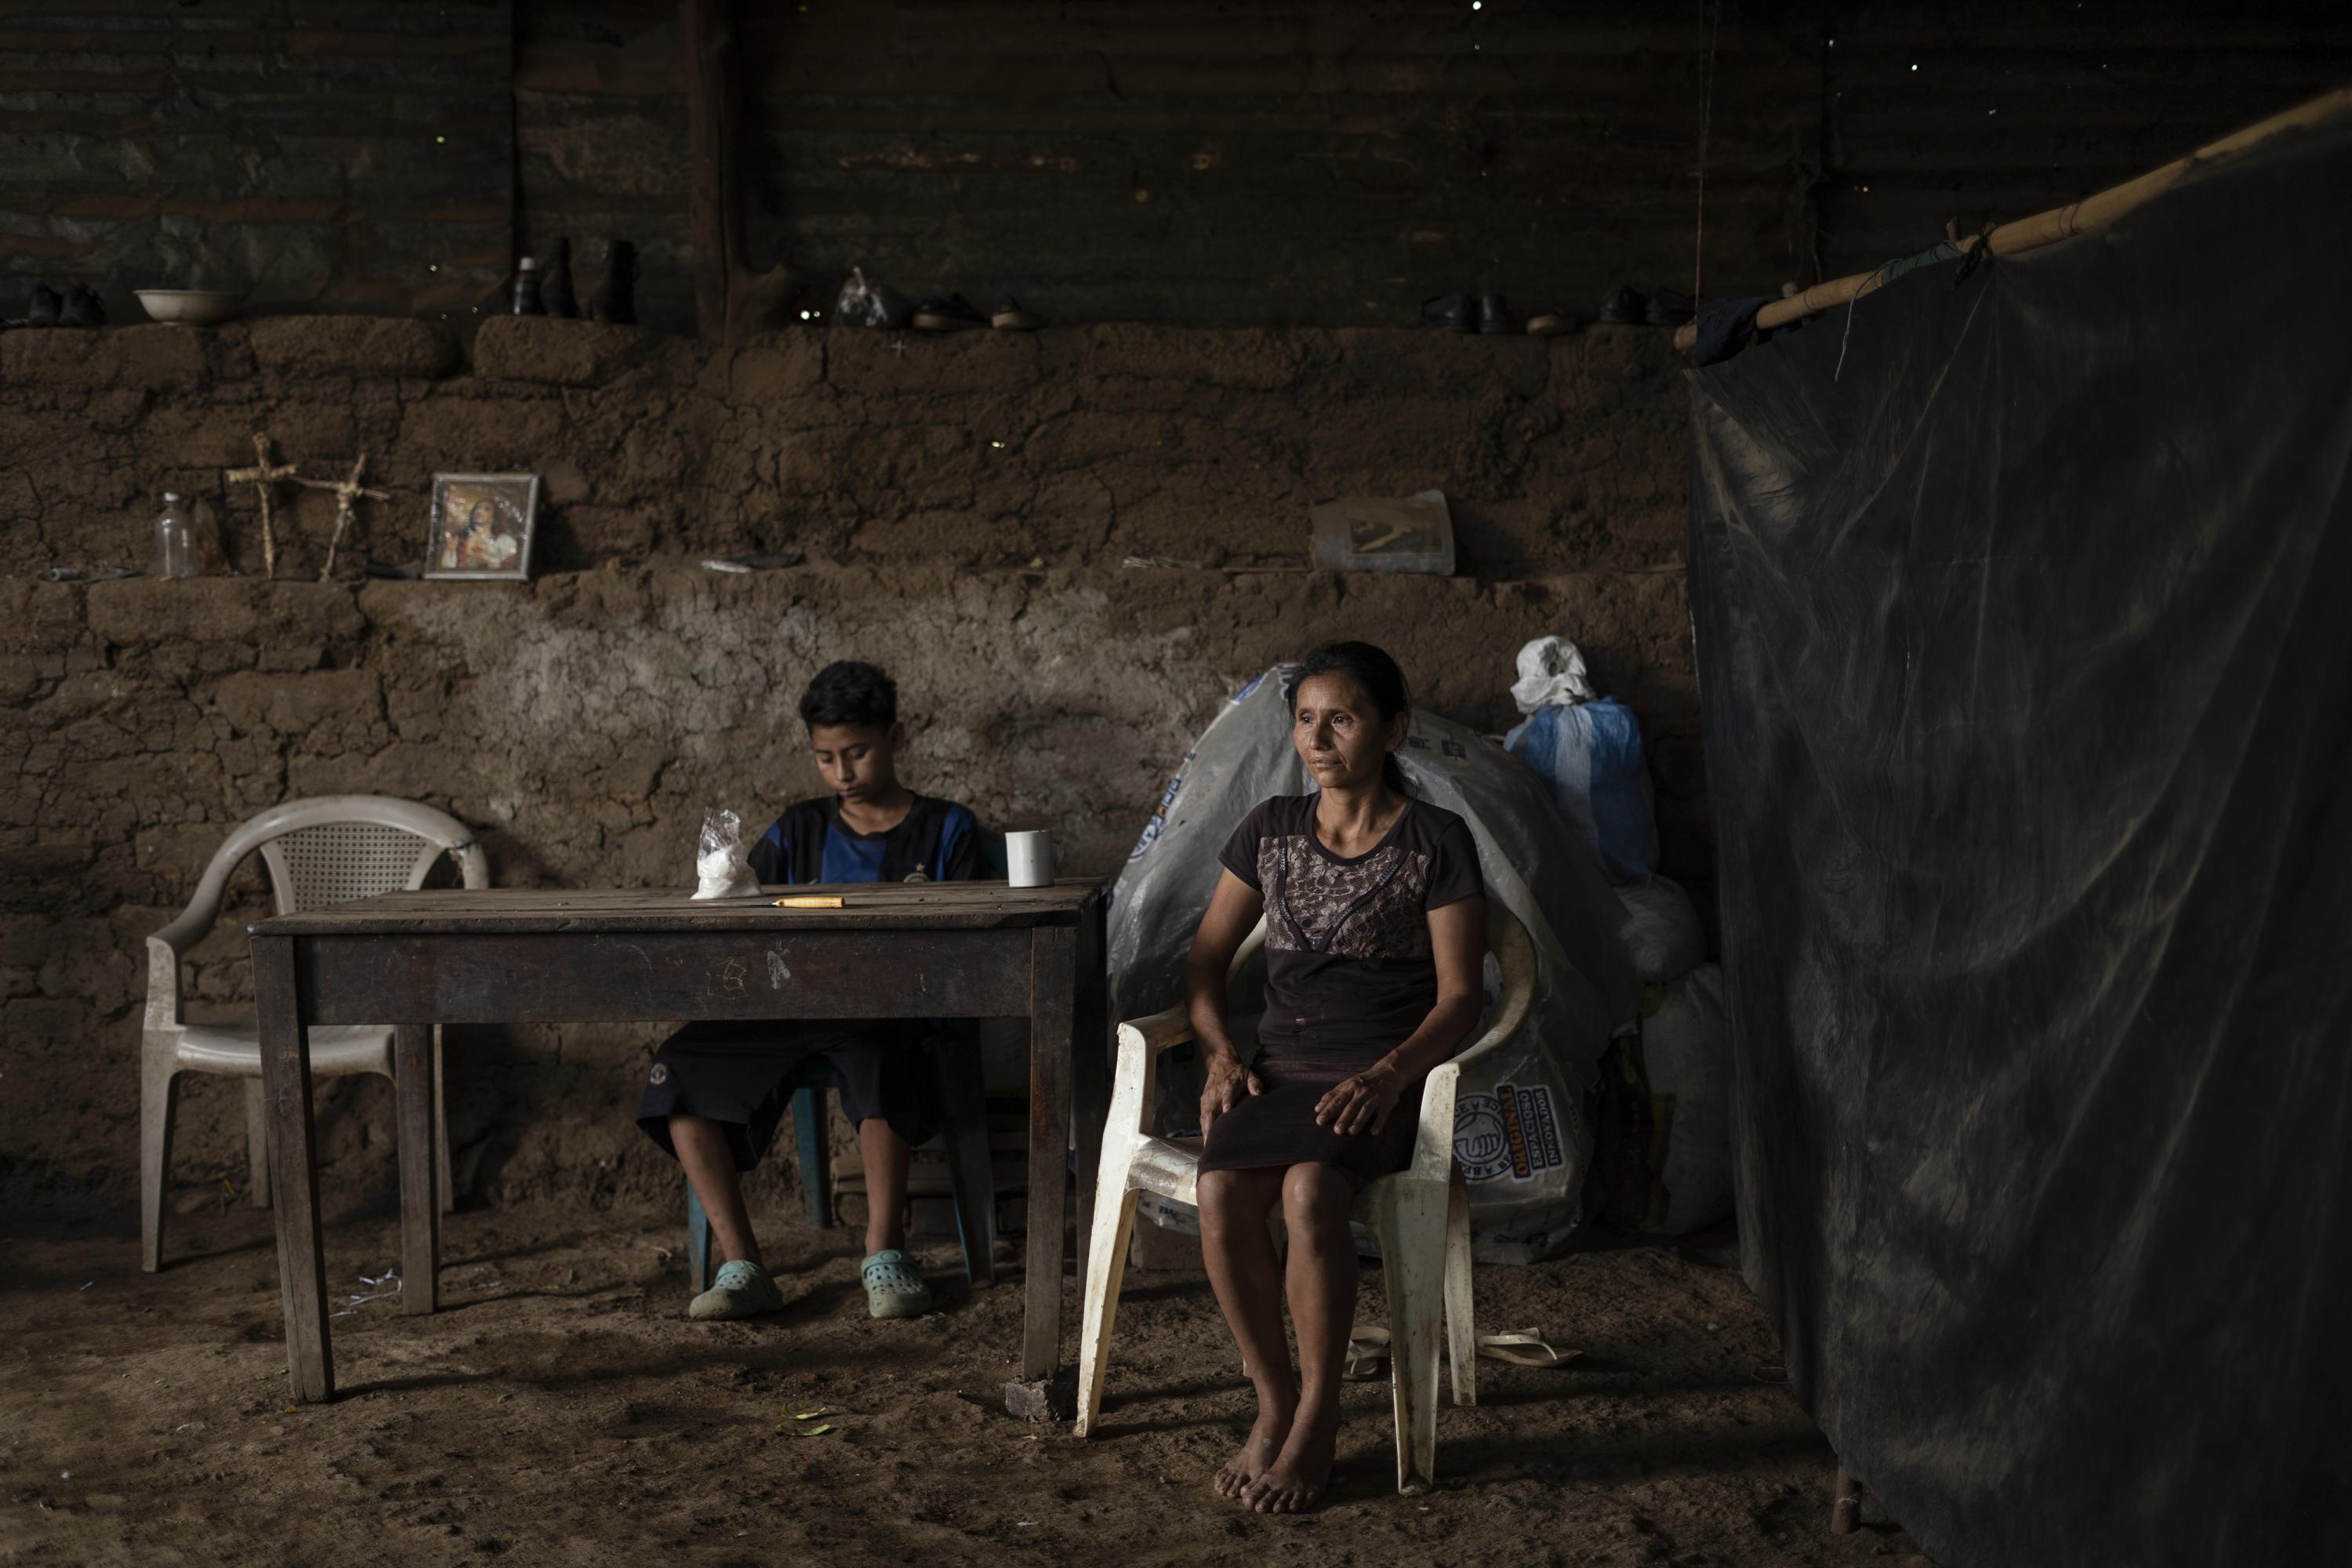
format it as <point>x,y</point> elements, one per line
<point>179,552</point>
<point>525,289</point>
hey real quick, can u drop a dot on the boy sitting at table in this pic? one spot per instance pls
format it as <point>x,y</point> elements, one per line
<point>717,1090</point>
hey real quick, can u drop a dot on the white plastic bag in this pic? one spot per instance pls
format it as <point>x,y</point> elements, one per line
<point>864,304</point>
<point>1521,1134</point>
<point>1551,670</point>
<point>1661,930</point>
<point>722,869</point>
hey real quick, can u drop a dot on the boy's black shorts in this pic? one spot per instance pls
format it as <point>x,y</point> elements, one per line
<point>742,1075</point>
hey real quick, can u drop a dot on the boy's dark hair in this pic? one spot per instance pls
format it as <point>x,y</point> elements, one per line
<point>848,692</point>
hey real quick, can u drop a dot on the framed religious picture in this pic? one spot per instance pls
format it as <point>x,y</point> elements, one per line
<point>482,526</point>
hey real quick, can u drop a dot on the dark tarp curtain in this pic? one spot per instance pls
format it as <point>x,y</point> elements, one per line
<point>2025,652</point>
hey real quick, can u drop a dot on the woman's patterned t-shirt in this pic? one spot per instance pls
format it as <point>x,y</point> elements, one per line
<point>1348,963</point>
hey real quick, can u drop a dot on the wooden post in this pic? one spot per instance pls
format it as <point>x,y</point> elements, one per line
<point>708,36</point>
<point>1845,1504</point>
<point>2059,223</point>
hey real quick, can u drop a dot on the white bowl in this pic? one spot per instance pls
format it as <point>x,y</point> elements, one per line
<point>191,307</point>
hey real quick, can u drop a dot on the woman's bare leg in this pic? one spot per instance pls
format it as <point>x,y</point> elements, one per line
<point>885,1157</point>
<point>702,1150</point>
<point>1248,1278</point>
<point>1316,1200</point>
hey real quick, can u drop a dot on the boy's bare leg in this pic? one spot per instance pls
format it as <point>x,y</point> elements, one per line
<point>709,1163</point>
<point>1248,1278</point>
<point>885,1157</point>
<point>1316,1200</point>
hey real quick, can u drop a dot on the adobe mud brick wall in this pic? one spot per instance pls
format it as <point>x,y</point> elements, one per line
<point>970,510</point>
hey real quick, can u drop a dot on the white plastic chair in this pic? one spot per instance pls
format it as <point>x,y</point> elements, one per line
<point>1421,1215</point>
<point>318,851</point>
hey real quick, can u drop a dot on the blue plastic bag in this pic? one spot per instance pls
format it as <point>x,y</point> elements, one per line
<point>1588,755</point>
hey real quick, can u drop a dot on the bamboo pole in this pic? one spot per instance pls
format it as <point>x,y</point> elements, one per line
<point>2060,223</point>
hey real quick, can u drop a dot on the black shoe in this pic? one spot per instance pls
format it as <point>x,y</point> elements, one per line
<point>614,302</point>
<point>1495,314</point>
<point>82,308</point>
<point>1668,308</point>
<point>953,313</point>
<point>1009,317</point>
<point>1449,313</point>
<point>1624,306</point>
<point>42,309</point>
<point>555,281</point>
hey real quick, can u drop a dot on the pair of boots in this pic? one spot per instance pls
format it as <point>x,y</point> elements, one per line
<point>547,292</point>
<point>954,313</point>
<point>1663,306</point>
<point>1489,313</point>
<point>79,306</point>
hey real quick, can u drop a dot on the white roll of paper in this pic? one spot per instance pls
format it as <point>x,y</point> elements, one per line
<point>1029,859</point>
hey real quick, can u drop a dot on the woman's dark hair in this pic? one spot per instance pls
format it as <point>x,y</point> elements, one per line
<point>1375,674</point>
<point>848,692</point>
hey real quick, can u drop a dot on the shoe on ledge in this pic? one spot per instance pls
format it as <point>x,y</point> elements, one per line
<point>1009,317</point>
<point>947,313</point>
<point>1449,313</point>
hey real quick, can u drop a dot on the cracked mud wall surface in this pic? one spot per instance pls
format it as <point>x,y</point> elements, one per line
<point>585,721</point>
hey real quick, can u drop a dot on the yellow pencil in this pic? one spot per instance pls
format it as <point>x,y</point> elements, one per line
<point>814,901</point>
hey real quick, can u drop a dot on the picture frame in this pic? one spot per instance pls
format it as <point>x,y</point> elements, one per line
<point>481,527</point>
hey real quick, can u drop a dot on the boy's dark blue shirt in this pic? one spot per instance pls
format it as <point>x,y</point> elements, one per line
<point>938,841</point>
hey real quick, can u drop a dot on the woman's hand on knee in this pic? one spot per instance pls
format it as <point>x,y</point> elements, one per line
<point>1229,1084</point>
<point>1362,1103</point>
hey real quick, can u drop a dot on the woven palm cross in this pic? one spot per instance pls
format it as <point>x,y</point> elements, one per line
<point>262,476</point>
<point>347,493</point>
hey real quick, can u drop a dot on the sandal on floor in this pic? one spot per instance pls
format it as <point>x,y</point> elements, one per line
<point>1367,1352</point>
<point>741,1290</point>
<point>892,1289</point>
<point>1368,1355</point>
<point>1523,1347</point>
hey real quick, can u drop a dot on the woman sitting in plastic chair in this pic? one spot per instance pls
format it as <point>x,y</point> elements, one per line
<point>1375,949</point>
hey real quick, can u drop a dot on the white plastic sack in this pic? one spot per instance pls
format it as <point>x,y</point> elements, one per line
<point>1521,1134</point>
<point>1661,930</point>
<point>1686,1055</point>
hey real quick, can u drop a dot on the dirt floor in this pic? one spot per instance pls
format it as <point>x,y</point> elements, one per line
<point>561,1409</point>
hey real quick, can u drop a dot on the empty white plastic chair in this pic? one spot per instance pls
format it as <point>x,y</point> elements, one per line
<point>1421,1215</point>
<point>317,852</point>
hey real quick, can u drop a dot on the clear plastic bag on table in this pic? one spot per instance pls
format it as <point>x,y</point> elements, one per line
<point>1521,1134</point>
<point>722,866</point>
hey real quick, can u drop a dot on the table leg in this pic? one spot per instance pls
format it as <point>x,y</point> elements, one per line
<point>1054,987</point>
<point>294,1168</point>
<point>1090,1077</point>
<point>420,1169</point>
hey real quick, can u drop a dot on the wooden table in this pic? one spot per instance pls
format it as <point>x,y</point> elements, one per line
<point>963,950</point>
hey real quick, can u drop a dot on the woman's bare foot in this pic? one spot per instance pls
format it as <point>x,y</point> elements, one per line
<point>1295,1482</point>
<point>1259,1451</point>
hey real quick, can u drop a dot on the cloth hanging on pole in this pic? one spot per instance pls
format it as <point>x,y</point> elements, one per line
<point>2027,686</point>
